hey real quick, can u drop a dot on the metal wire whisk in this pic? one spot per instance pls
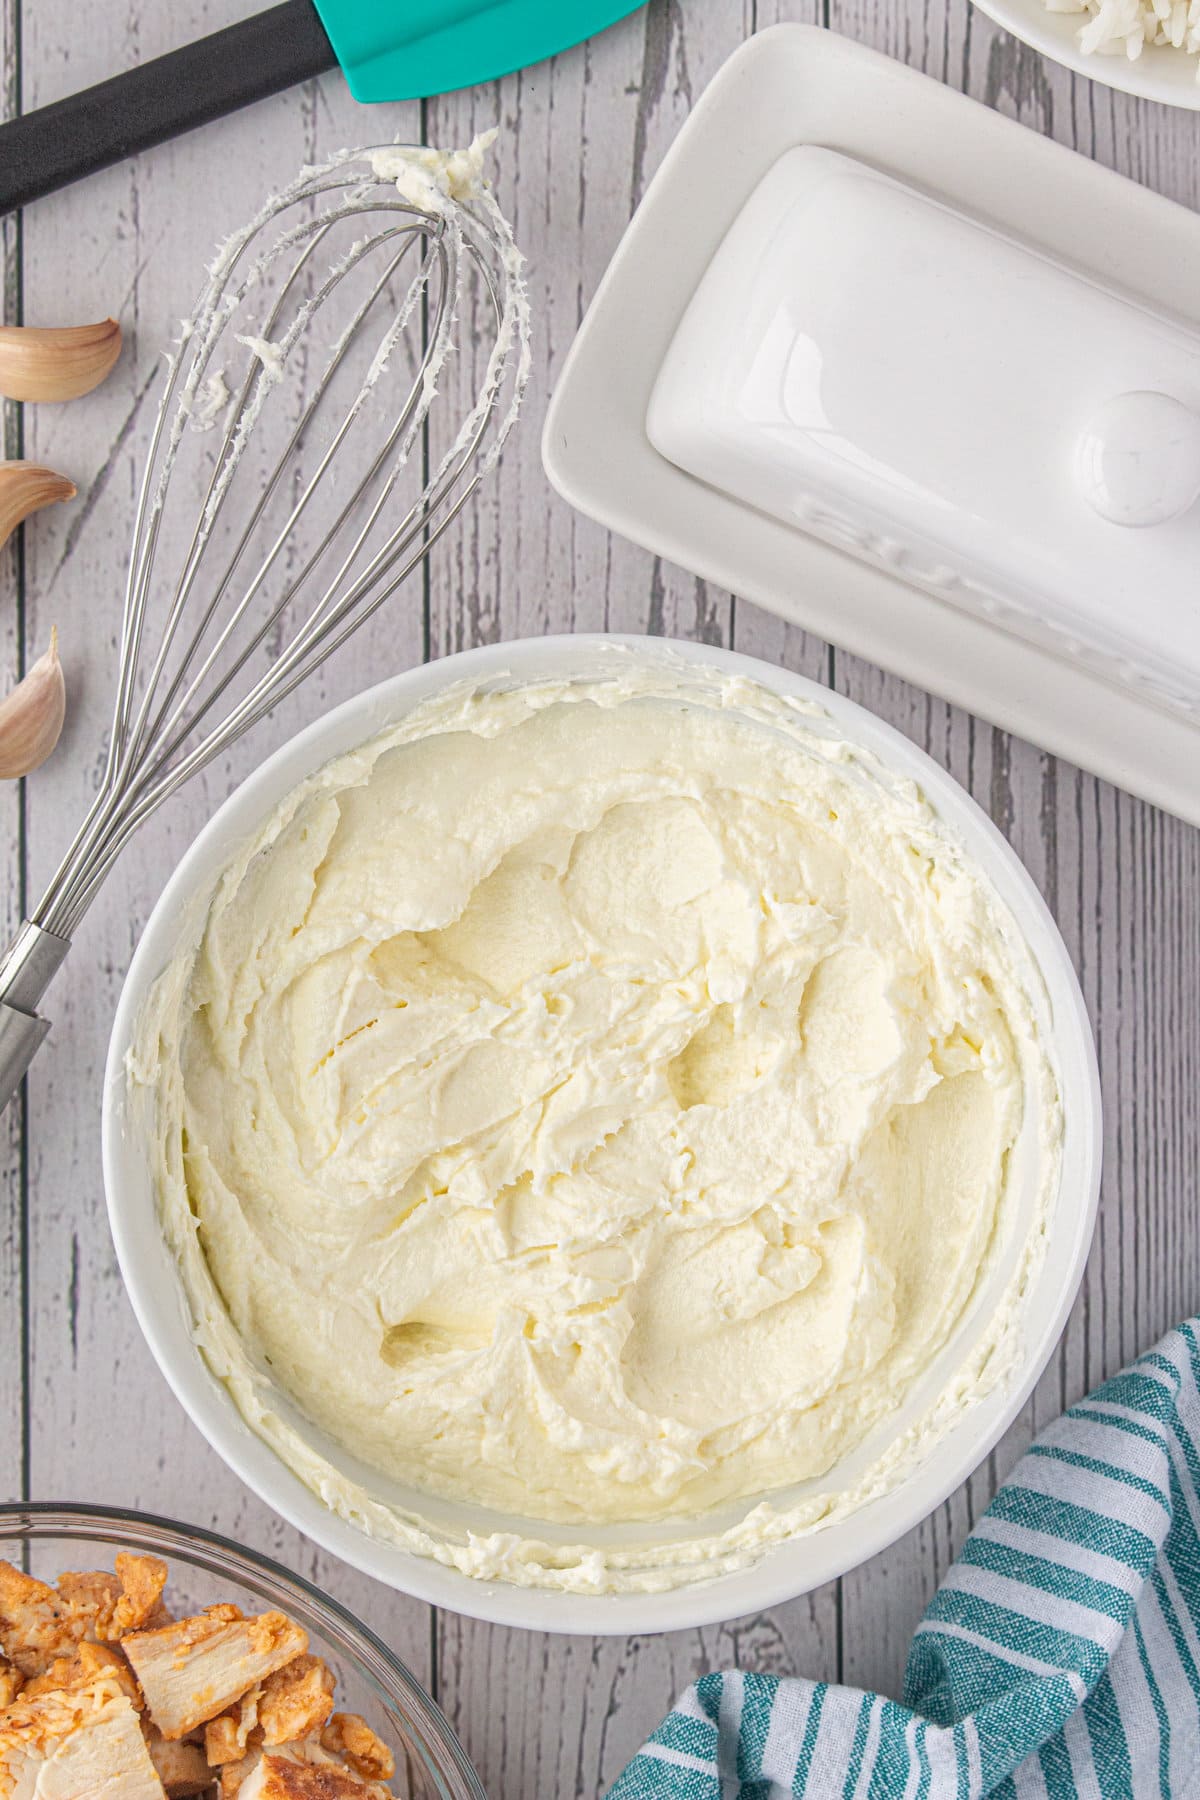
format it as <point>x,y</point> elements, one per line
<point>338,310</point>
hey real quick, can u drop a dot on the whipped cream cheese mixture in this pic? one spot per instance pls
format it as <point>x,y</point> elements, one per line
<point>597,1104</point>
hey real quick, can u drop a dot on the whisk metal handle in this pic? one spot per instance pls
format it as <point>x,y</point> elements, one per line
<point>47,149</point>
<point>26,970</point>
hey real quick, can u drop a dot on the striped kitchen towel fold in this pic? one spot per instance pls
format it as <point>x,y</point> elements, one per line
<point>1060,1658</point>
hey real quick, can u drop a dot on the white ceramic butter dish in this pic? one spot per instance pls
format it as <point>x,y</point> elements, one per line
<point>923,382</point>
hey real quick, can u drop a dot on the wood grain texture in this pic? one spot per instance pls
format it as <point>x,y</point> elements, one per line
<point>134,240</point>
<point>581,137</point>
<point>12,1169</point>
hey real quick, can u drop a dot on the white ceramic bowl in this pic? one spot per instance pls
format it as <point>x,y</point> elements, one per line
<point>787,1569</point>
<point>1159,73</point>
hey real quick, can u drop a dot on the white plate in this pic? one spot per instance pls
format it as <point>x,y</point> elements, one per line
<point>796,84</point>
<point>1157,74</point>
<point>786,1569</point>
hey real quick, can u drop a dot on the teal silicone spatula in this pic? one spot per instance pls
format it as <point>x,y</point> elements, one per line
<point>388,50</point>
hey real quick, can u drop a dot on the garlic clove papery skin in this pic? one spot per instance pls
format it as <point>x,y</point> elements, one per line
<point>31,717</point>
<point>24,487</point>
<point>57,362</point>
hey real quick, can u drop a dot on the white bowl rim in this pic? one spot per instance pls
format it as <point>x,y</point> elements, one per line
<point>786,1570</point>
<point>1149,76</point>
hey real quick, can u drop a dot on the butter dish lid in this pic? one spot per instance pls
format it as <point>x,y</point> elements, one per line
<point>1107,697</point>
<point>882,370</point>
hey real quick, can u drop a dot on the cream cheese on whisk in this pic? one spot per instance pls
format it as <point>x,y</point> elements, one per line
<point>427,177</point>
<point>592,1106</point>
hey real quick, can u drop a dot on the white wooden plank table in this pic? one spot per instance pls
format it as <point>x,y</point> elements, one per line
<point>83,1412</point>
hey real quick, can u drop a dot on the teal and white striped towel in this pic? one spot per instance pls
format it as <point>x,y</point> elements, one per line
<point>1060,1658</point>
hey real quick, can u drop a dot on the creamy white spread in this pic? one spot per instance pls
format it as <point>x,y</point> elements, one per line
<point>269,355</point>
<point>597,1105</point>
<point>427,178</point>
<point>211,399</point>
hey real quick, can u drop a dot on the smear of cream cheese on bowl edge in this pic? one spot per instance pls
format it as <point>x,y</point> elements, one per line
<point>588,1115</point>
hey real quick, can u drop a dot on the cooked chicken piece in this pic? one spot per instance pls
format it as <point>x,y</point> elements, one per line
<point>235,1775</point>
<point>293,1703</point>
<point>296,1701</point>
<point>305,1772</point>
<point>194,1669</point>
<point>351,1738</point>
<point>228,1737</point>
<point>91,1600</point>
<point>181,1767</point>
<point>111,1605</point>
<point>223,1741</point>
<point>85,1745</point>
<point>143,1579</point>
<point>70,1673</point>
<point>11,1681</point>
<point>35,1625</point>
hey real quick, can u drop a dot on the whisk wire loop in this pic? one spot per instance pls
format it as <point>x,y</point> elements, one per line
<point>342,305</point>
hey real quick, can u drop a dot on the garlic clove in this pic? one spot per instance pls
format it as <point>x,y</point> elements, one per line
<point>40,362</point>
<point>31,717</point>
<point>24,486</point>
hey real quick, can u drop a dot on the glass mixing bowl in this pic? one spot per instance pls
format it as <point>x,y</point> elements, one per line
<point>203,1568</point>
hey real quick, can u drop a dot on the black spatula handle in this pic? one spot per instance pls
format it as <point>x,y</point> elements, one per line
<point>44,150</point>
